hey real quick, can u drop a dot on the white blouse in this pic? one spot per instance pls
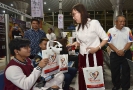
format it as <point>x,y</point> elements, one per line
<point>90,36</point>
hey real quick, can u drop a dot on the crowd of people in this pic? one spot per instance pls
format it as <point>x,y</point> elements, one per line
<point>20,74</point>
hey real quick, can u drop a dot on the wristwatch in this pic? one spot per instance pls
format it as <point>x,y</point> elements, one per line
<point>124,51</point>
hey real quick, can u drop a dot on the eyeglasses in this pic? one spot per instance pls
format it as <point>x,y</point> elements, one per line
<point>73,14</point>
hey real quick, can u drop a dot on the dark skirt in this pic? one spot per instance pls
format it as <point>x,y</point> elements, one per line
<point>82,64</point>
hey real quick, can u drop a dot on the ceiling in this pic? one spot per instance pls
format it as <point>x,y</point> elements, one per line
<point>91,5</point>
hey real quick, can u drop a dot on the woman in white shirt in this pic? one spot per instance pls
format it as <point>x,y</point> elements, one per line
<point>88,35</point>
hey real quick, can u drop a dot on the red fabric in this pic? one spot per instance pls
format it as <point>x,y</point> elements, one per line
<point>82,64</point>
<point>51,69</point>
<point>62,69</point>
<point>27,69</point>
<point>95,86</point>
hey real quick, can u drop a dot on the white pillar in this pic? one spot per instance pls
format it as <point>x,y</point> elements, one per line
<point>7,38</point>
<point>53,17</point>
<point>60,6</point>
<point>23,18</point>
<point>117,6</point>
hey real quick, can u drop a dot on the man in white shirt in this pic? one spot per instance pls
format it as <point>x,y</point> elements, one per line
<point>51,36</point>
<point>120,40</point>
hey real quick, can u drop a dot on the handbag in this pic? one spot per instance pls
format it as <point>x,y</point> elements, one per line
<point>52,53</point>
<point>63,63</point>
<point>93,75</point>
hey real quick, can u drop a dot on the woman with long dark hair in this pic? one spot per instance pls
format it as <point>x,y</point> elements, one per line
<point>88,35</point>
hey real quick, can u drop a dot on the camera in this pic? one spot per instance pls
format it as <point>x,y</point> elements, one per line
<point>15,28</point>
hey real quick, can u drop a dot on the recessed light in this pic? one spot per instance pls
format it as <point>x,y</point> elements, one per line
<point>11,4</point>
<point>45,3</point>
<point>49,9</point>
<point>3,11</point>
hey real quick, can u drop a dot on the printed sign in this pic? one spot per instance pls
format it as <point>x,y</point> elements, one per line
<point>60,21</point>
<point>2,36</point>
<point>2,18</point>
<point>37,8</point>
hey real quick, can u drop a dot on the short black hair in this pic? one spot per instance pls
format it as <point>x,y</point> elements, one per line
<point>35,20</point>
<point>15,23</point>
<point>43,39</point>
<point>116,19</point>
<point>18,43</point>
<point>51,29</point>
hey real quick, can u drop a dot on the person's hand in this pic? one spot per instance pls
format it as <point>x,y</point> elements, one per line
<point>55,86</point>
<point>43,62</point>
<point>76,44</point>
<point>19,29</point>
<point>120,52</point>
<point>92,50</point>
<point>11,29</point>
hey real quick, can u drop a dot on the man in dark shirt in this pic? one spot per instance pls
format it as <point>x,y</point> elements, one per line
<point>34,35</point>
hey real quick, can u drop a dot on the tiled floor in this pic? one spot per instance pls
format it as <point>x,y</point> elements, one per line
<point>107,79</point>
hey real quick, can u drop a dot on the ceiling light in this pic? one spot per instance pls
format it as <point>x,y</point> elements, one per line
<point>49,9</point>
<point>11,4</point>
<point>44,2</point>
<point>3,11</point>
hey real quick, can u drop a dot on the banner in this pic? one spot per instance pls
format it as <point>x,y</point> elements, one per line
<point>60,21</point>
<point>37,8</point>
<point>2,18</point>
<point>2,36</point>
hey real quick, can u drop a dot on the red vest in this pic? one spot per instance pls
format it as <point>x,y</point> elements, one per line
<point>27,69</point>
